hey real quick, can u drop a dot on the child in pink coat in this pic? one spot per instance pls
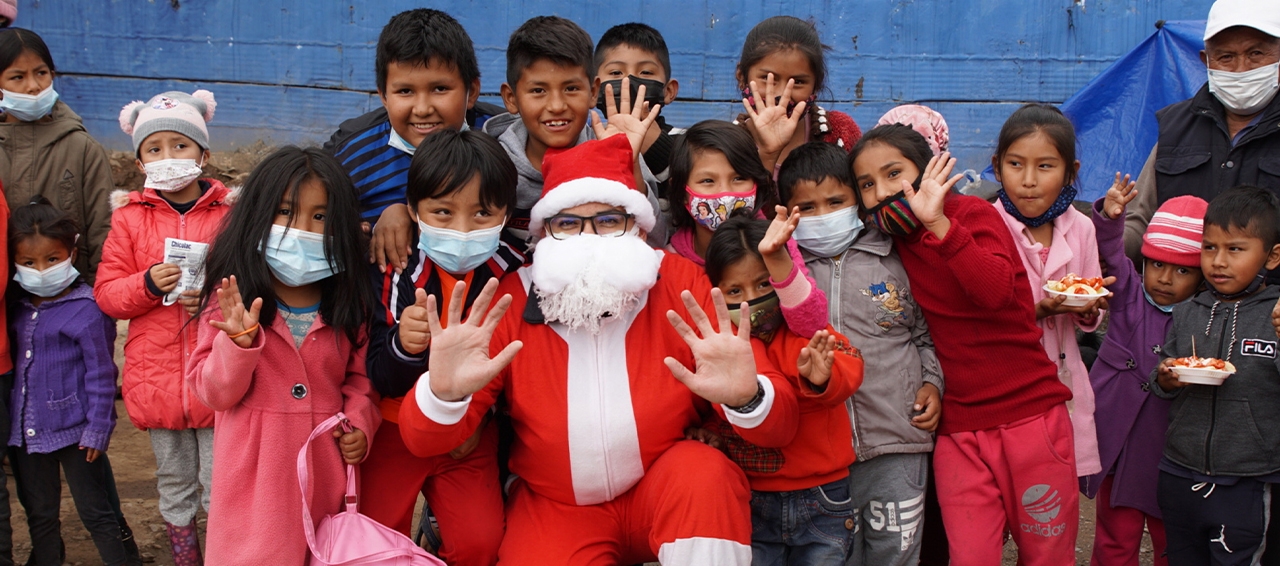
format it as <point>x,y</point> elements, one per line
<point>281,349</point>
<point>1036,164</point>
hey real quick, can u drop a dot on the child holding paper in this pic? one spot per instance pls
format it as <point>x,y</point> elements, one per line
<point>138,281</point>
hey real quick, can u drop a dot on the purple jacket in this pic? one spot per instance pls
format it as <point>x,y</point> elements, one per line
<point>64,386</point>
<point>1131,422</point>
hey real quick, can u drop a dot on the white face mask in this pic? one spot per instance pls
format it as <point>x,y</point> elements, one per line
<point>830,234</point>
<point>296,257</point>
<point>47,283</point>
<point>1246,93</point>
<point>169,175</point>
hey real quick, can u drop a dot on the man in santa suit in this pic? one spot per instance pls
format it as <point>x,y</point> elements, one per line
<point>591,347</point>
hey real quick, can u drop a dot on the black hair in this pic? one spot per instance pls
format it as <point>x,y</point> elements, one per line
<point>1032,118</point>
<point>549,38</point>
<point>41,218</point>
<point>1251,209</point>
<point>737,238</point>
<point>415,37</point>
<point>781,33</point>
<point>446,161</point>
<point>737,146</point>
<point>15,41</point>
<point>639,36</point>
<point>907,141</point>
<point>814,161</point>
<point>346,298</point>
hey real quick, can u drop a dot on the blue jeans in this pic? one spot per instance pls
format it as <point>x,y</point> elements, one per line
<point>807,526</point>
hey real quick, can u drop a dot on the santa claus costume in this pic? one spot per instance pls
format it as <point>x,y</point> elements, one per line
<point>605,474</point>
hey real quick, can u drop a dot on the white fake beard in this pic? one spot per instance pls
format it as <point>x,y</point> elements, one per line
<point>580,279</point>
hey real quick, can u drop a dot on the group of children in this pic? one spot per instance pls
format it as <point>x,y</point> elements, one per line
<point>868,278</point>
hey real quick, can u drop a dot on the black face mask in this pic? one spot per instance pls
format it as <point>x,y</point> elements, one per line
<point>654,92</point>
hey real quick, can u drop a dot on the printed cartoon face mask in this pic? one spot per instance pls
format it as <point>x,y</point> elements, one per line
<point>766,316</point>
<point>169,175</point>
<point>712,210</point>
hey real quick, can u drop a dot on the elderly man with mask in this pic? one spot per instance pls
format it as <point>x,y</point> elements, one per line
<point>1228,134</point>
<point>605,354</point>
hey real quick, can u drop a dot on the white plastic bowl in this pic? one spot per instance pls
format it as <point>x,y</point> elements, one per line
<point>1074,300</point>
<point>1201,376</point>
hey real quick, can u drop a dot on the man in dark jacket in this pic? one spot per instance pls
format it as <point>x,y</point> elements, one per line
<point>1228,134</point>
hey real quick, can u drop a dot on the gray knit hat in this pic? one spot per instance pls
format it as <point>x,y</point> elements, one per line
<point>171,111</point>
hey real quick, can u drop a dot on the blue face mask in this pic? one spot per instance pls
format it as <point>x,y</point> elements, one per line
<point>47,283</point>
<point>830,234</point>
<point>29,108</point>
<point>1166,309</point>
<point>296,257</point>
<point>403,145</point>
<point>458,252</point>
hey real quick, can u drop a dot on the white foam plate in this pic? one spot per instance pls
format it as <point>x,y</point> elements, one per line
<point>1201,376</point>
<point>1074,300</point>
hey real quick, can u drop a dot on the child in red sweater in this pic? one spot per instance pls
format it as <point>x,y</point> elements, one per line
<point>1005,455</point>
<point>807,478</point>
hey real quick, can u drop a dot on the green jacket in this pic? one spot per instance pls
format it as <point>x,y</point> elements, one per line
<point>55,157</point>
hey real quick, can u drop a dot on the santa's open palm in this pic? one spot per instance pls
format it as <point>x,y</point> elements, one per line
<point>725,368</point>
<point>460,363</point>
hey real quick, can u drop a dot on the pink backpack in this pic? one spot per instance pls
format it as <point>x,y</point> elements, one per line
<point>349,538</point>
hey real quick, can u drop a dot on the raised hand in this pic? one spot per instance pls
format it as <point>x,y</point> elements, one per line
<point>725,368</point>
<point>771,126</point>
<point>460,363</point>
<point>165,276</point>
<point>927,203</point>
<point>415,329</point>
<point>816,359</point>
<point>1118,196</point>
<point>634,122</point>
<point>780,231</point>
<point>240,324</point>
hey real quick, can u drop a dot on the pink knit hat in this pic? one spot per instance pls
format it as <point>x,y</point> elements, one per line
<point>9,10</point>
<point>927,121</point>
<point>1175,232</point>
<point>171,111</point>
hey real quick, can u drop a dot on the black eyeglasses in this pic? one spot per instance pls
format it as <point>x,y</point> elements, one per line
<point>609,224</point>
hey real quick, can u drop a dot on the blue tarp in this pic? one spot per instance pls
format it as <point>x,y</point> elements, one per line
<point>1114,114</point>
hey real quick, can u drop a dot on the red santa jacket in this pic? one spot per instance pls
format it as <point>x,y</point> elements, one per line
<point>592,412</point>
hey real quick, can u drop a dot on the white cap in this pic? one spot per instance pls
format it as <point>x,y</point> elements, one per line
<point>1262,15</point>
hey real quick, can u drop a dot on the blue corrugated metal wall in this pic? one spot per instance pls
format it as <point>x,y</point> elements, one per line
<point>288,71</point>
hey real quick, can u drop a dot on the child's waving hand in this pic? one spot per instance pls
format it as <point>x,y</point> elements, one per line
<point>770,124</point>
<point>927,203</point>
<point>816,359</point>
<point>241,325</point>
<point>773,247</point>
<point>1118,196</point>
<point>625,119</point>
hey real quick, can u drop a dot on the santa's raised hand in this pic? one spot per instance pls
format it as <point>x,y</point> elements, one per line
<point>725,368</point>
<point>460,363</point>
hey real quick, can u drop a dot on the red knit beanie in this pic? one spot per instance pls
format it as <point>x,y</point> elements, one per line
<point>1175,232</point>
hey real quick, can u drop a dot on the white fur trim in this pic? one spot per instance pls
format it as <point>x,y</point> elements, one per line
<point>438,410</point>
<point>704,551</point>
<point>592,189</point>
<point>119,198</point>
<point>757,416</point>
<point>233,194</point>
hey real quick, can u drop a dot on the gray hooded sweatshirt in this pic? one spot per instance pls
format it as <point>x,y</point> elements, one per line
<point>1231,429</point>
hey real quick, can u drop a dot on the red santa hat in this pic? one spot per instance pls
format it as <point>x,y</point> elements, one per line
<point>594,171</point>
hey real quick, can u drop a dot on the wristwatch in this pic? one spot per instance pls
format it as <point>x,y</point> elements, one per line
<point>753,404</point>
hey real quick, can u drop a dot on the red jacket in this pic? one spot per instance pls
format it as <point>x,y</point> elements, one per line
<point>821,446</point>
<point>976,297</point>
<point>161,338</point>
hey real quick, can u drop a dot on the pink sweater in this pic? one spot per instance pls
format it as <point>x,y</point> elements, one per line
<point>267,398</point>
<point>804,305</point>
<point>1074,250</point>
